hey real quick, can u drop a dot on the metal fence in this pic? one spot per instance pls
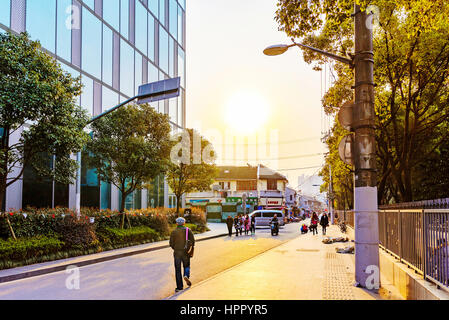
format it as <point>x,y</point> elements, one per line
<point>417,237</point>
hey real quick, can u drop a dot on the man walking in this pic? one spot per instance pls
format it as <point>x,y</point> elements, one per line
<point>230,223</point>
<point>182,242</point>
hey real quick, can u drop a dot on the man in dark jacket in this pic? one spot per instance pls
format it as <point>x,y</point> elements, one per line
<point>324,222</point>
<point>230,223</point>
<point>182,242</point>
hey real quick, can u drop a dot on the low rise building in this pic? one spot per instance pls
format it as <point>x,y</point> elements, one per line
<point>262,186</point>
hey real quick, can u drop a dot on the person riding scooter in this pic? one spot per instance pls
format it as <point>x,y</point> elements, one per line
<point>274,223</point>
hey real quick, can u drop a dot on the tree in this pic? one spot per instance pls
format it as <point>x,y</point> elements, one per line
<point>130,147</point>
<point>38,97</point>
<point>192,168</point>
<point>411,55</point>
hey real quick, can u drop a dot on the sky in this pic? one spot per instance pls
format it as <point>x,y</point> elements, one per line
<point>236,95</point>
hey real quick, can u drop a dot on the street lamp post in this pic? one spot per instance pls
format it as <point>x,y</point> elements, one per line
<point>364,149</point>
<point>147,93</point>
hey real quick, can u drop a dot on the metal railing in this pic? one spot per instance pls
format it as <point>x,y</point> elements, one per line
<point>419,238</point>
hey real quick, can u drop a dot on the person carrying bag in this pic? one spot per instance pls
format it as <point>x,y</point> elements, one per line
<point>182,242</point>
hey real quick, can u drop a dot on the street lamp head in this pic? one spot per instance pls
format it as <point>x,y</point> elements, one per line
<point>276,50</point>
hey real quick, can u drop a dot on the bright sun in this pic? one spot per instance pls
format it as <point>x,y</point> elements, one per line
<point>246,112</point>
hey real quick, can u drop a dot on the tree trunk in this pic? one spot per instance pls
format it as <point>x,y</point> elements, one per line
<point>178,200</point>
<point>122,211</point>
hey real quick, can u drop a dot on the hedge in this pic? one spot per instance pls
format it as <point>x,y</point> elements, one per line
<point>114,236</point>
<point>51,234</point>
<point>24,249</point>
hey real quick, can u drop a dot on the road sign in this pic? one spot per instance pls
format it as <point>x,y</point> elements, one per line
<point>345,149</point>
<point>345,115</point>
<point>160,90</point>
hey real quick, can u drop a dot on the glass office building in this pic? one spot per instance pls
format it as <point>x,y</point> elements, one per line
<point>115,46</point>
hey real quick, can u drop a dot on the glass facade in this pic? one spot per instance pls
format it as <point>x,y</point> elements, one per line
<point>114,45</point>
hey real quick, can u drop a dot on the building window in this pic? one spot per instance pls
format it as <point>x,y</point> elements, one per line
<point>64,32</point>
<point>91,44</point>
<point>272,184</point>
<point>5,12</point>
<point>141,27</point>
<point>41,22</point>
<point>111,13</point>
<point>247,185</point>
<point>225,185</point>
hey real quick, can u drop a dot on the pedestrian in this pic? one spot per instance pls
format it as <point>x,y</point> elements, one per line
<point>246,224</point>
<point>241,224</point>
<point>253,224</point>
<point>182,242</point>
<point>230,223</point>
<point>314,223</point>
<point>324,222</point>
<point>236,225</point>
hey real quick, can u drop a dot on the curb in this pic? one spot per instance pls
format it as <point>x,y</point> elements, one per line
<point>35,273</point>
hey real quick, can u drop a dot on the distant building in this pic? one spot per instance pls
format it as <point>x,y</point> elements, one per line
<point>262,185</point>
<point>309,203</point>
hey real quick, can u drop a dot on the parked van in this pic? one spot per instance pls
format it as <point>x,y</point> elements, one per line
<point>263,217</point>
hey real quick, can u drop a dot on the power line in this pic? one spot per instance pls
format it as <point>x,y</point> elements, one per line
<point>278,158</point>
<point>261,144</point>
<point>304,168</point>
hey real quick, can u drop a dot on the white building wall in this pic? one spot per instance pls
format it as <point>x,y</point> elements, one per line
<point>14,191</point>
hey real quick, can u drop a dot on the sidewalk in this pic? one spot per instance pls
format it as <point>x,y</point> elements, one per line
<point>301,269</point>
<point>216,230</point>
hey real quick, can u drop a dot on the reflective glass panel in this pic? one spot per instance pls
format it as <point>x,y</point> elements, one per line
<point>41,22</point>
<point>90,3</point>
<point>180,26</point>
<point>151,37</point>
<point>173,21</point>
<point>181,66</point>
<point>107,55</point>
<point>124,18</point>
<point>171,57</point>
<point>141,27</point>
<point>162,12</point>
<point>5,12</point>
<point>138,72</point>
<point>153,73</point>
<point>163,49</point>
<point>111,13</point>
<point>181,109</point>
<point>153,5</point>
<point>126,69</point>
<point>91,44</point>
<point>87,97</point>
<point>64,34</point>
<point>109,99</point>
<point>173,109</point>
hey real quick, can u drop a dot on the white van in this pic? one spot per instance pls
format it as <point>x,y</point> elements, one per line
<point>263,217</point>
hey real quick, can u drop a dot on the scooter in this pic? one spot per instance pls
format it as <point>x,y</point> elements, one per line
<point>274,228</point>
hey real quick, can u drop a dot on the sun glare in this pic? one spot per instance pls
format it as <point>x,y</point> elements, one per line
<point>246,112</point>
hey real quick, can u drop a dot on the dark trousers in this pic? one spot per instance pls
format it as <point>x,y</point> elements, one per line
<point>181,257</point>
<point>253,228</point>
<point>324,229</point>
<point>230,229</point>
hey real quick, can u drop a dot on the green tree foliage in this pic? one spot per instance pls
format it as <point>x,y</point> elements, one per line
<point>192,168</point>
<point>38,97</point>
<point>130,147</point>
<point>411,48</point>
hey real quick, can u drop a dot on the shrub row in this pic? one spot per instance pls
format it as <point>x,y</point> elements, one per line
<point>33,222</point>
<point>50,234</point>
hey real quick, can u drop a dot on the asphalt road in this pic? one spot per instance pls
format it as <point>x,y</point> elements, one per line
<point>146,276</point>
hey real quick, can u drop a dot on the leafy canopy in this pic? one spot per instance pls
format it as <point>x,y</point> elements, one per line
<point>38,112</point>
